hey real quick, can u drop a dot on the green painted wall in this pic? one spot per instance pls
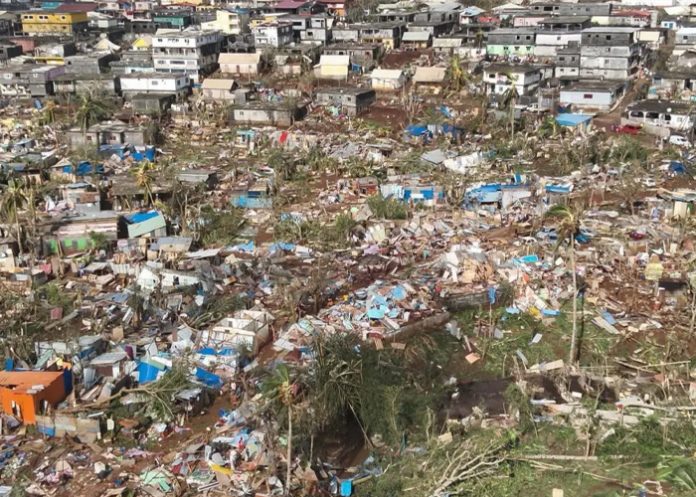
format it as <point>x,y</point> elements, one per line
<point>69,245</point>
<point>519,50</point>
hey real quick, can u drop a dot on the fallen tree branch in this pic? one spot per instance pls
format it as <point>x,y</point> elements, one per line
<point>563,457</point>
<point>562,469</point>
<point>659,408</point>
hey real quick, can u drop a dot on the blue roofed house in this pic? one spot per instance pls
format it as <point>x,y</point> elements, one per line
<point>576,122</point>
<point>410,191</point>
<point>496,194</point>
<point>469,14</point>
<point>66,170</point>
<point>149,224</point>
<point>256,196</point>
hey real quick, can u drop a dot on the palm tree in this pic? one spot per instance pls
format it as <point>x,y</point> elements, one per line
<point>548,128</point>
<point>282,390</point>
<point>48,114</point>
<point>30,193</point>
<point>357,168</point>
<point>144,177</point>
<point>510,98</point>
<point>692,287</point>
<point>12,200</point>
<point>90,110</point>
<point>568,226</point>
<point>283,166</point>
<point>479,37</point>
<point>456,74</point>
<point>337,378</point>
<point>153,133</point>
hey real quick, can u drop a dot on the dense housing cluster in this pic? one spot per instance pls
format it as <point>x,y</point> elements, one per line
<point>347,247</point>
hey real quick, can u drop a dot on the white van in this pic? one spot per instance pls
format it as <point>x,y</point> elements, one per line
<point>679,141</point>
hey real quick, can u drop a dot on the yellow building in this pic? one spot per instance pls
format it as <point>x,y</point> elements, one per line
<point>55,23</point>
<point>228,22</point>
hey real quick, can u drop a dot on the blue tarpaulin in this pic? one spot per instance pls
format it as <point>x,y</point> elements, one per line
<point>573,120</point>
<point>449,129</point>
<point>527,259</point>
<point>677,167</point>
<point>148,371</point>
<point>48,430</point>
<point>222,352</point>
<point>251,202</point>
<point>84,168</point>
<point>67,380</point>
<point>398,293</point>
<point>144,153</point>
<point>485,193</point>
<point>445,111</point>
<point>417,130</point>
<point>247,247</point>
<point>557,188</point>
<point>346,488</point>
<point>140,217</point>
<point>608,317</point>
<point>583,237</point>
<point>210,379</point>
<point>287,247</point>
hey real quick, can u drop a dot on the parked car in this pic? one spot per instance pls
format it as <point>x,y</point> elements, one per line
<point>626,129</point>
<point>679,141</point>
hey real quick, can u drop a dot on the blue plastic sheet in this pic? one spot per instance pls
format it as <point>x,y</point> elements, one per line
<point>210,379</point>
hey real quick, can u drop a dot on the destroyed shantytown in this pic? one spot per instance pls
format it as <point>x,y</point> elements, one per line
<point>347,248</point>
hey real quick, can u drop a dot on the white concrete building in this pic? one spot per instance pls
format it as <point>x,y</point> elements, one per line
<point>191,51</point>
<point>677,116</point>
<point>248,328</point>
<point>594,95</point>
<point>274,34</point>
<point>548,43</point>
<point>609,53</point>
<point>500,77</point>
<point>684,39</point>
<point>387,79</point>
<point>157,83</point>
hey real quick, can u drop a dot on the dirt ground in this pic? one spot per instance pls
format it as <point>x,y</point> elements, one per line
<point>397,60</point>
<point>387,116</point>
<point>614,117</point>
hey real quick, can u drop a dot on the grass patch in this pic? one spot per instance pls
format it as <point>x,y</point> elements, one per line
<point>387,208</point>
<point>649,441</point>
<point>316,233</point>
<point>499,354</point>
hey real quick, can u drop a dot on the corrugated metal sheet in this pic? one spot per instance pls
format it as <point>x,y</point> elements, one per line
<point>416,36</point>
<point>218,84</point>
<point>239,58</point>
<point>386,74</point>
<point>334,60</point>
<point>430,74</point>
<point>147,226</point>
